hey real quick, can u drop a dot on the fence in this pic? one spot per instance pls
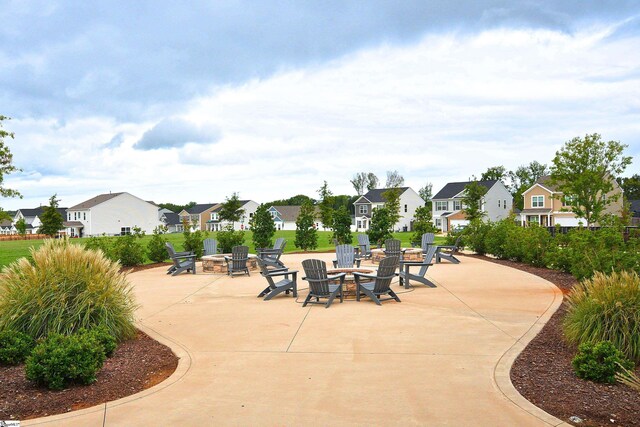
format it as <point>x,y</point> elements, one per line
<point>25,237</point>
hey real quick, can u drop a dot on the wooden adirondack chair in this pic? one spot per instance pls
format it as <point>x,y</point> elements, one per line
<point>271,256</point>
<point>285,285</point>
<point>365,246</point>
<point>346,257</point>
<point>378,284</point>
<point>182,261</point>
<point>210,246</point>
<point>237,262</point>
<point>320,284</point>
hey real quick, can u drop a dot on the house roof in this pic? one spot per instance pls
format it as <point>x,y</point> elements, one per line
<point>198,209</point>
<point>635,207</point>
<point>242,203</point>
<point>452,189</point>
<point>375,195</point>
<point>5,223</point>
<point>39,211</point>
<point>536,211</point>
<point>288,213</point>
<point>545,181</point>
<point>171,218</point>
<point>88,204</point>
<point>76,224</point>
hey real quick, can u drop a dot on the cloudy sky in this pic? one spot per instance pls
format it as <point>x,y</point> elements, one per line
<point>175,102</point>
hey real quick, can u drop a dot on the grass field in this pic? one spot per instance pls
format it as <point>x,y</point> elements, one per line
<point>14,249</point>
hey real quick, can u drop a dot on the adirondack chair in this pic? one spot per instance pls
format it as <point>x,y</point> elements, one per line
<point>320,284</point>
<point>237,262</point>
<point>182,261</point>
<point>346,257</point>
<point>271,256</point>
<point>365,246</point>
<point>427,240</point>
<point>406,275</point>
<point>210,246</point>
<point>448,252</point>
<point>378,284</point>
<point>285,285</point>
<point>392,248</point>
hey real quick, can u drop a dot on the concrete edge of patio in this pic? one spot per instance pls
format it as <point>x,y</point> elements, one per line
<point>184,364</point>
<point>502,371</point>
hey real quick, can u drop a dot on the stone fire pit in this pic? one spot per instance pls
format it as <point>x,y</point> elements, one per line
<point>216,263</point>
<point>410,254</point>
<point>349,287</point>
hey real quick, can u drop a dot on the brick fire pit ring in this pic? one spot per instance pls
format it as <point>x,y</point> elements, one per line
<point>349,287</point>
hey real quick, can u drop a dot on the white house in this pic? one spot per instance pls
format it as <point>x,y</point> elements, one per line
<point>111,214</point>
<point>367,203</point>
<point>285,217</point>
<point>497,204</point>
<point>214,223</point>
<point>32,217</point>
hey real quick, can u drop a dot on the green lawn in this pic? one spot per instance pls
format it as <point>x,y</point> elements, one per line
<point>14,249</point>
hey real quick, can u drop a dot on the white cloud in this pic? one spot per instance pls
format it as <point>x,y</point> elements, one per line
<point>441,110</point>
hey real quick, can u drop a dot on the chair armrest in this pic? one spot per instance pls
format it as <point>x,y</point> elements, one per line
<point>336,276</point>
<point>369,276</point>
<point>268,251</point>
<point>184,256</point>
<point>450,247</point>
<point>283,273</point>
<point>278,269</point>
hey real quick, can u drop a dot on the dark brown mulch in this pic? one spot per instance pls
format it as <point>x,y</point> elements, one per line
<point>136,365</point>
<point>135,268</point>
<point>543,373</point>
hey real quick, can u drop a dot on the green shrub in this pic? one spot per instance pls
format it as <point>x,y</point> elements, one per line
<point>102,243</point>
<point>422,224</point>
<point>475,235</point>
<point>59,360</point>
<point>229,238</point>
<point>156,248</point>
<point>193,241</point>
<point>65,288</point>
<point>102,337</point>
<point>14,347</point>
<point>496,240</point>
<point>606,308</point>
<point>128,250</point>
<point>534,243</point>
<point>599,362</point>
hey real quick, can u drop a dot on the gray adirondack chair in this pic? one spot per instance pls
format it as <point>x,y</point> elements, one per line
<point>271,256</point>
<point>392,248</point>
<point>448,252</point>
<point>376,285</point>
<point>427,240</point>
<point>320,284</point>
<point>237,262</point>
<point>427,261</point>
<point>346,257</point>
<point>365,246</point>
<point>210,246</point>
<point>285,285</point>
<point>182,261</point>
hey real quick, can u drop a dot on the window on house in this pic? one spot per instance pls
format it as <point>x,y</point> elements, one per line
<point>75,216</point>
<point>567,201</point>
<point>457,205</point>
<point>363,209</point>
<point>405,208</point>
<point>498,202</point>
<point>534,219</point>
<point>438,223</point>
<point>68,216</point>
<point>125,230</point>
<point>504,204</point>
<point>84,216</point>
<point>537,201</point>
<point>250,214</point>
<point>441,206</point>
<point>359,224</point>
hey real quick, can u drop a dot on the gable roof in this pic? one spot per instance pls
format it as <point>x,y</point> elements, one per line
<point>100,198</point>
<point>171,218</point>
<point>219,207</point>
<point>288,213</point>
<point>545,181</point>
<point>198,209</point>
<point>452,189</point>
<point>39,211</point>
<point>375,195</point>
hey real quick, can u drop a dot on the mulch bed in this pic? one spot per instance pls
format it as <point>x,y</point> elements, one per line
<point>543,374</point>
<point>136,365</point>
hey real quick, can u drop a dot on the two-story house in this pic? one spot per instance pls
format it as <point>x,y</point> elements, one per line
<point>171,220</point>
<point>32,217</point>
<point>248,206</point>
<point>373,199</point>
<point>111,214</point>
<point>545,205</point>
<point>447,206</point>
<point>284,217</point>
<point>199,216</point>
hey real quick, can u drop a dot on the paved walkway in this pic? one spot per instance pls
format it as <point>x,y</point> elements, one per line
<point>439,358</point>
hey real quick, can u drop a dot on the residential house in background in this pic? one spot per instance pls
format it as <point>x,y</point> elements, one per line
<point>216,224</point>
<point>285,217</point>
<point>634,207</point>
<point>111,214</point>
<point>546,206</point>
<point>497,204</point>
<point>32,217</point>
<point>199,216</point>
<point>6,227</point>
<point>365,205</point>
<point>171,220</point>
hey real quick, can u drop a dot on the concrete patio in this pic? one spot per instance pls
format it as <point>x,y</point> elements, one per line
<point>441,357</point>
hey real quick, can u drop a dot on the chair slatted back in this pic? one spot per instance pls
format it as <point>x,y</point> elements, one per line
<point>264,271</point>
<point>430,253</point>
<point>386,272</point>
<point>392,247</point>
<point>210,246</point>
<point>239,256</point>
<point>363,242</point>
<point>280,244</point>
<point>427,240</point>
<point>315,271</point>
<point>172,254</point>
<point>346,256</point>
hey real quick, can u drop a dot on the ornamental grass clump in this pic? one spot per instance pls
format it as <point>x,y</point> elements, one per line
<point>63,289</point>
<point>606,308</point>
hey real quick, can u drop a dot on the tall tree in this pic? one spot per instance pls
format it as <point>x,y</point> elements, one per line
<point>498,173</point>
<point>372,181</point>
<point>297,200</point>
<point>426,192</point>
<point>392,203</point>
<point>472,200</point>
<point>325,205</point>
<point>231,210</point>
<point>177,208</point>
<point>630,187</point>
<point>51,218</point>
<point>422,223</point>
<point>364,180</point>
<point>306,233</point>
<point>6,161</point>
<point>523,178</point>
<point>584,168</point>
<point>394,179</point>
<point>342,226</point>
<point>263,227</point>
<point>381,226</point>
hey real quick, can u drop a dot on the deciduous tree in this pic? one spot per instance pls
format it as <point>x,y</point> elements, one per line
<point>394,179</point>
<point>342,226</point>
<point>630,187</point>
<point>523,178</point>
<point>392,203</point>
<point>380,227</point>
<point>364,180</point>
<point>6,161</point>
<point>231,210</point>
<point>325,205</point>
<point>21,226</point>
<point>584,168</point>
<point>498,173</point>
<point>306,233</point>
<point>472,201</point>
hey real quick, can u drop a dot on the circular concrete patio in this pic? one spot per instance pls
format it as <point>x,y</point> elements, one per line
<point>441,357</point>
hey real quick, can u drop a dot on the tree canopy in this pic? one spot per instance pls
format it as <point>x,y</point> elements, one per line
<point>325,204</point>
<point>523,178</point>
<point>263,227</point>
<point>584,169</point>
<point>364,180</point>
<point>342,226</point>
<point>472,200</point>
<point>631,187</point>
<point>6,161</point>
<point>498,173</point>
<point>177,208</point>
<point>231,210</point>
<point>52,221</point>
<point>306,233</point>
<point>394,179</point>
